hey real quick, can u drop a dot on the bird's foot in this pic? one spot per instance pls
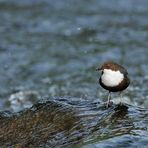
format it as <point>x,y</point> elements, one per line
<point>109,104</point>
<point>121,103</point>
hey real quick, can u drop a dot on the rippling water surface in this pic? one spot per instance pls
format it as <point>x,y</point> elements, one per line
<point>49,51</point>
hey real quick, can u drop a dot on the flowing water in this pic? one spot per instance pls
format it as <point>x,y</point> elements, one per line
<point>49,92</point>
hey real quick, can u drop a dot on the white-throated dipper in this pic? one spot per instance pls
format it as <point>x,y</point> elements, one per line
<point>114,78</point>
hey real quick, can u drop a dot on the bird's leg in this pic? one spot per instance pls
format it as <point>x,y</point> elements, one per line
<point>120,97</point>
<point>108,99</point>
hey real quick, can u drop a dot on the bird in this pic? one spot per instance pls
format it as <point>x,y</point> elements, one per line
<point>114,78</point>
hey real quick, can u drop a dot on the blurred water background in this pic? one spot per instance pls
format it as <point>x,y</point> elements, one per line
<point>50,49</point>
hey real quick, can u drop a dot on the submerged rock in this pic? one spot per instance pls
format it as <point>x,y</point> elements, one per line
<point>65,123</point>
<point>43,123</point>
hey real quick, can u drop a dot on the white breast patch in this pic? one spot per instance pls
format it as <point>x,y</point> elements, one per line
<point>111,78</point>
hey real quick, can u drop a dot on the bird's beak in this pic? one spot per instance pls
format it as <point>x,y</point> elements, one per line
<point>98,69</point>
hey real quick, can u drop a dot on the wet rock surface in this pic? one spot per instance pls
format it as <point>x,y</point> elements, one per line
<point>64,123</point>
